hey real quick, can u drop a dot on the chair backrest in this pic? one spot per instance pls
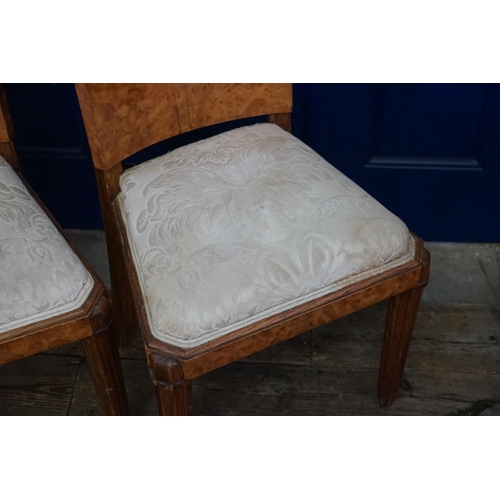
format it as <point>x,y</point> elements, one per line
<point>122,119</point>
<point>7,149</point>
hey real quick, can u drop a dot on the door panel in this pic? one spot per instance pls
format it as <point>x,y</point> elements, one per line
<point>427,120</point>
<point>429,152</point>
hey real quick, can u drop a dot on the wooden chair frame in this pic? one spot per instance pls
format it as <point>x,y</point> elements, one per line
<point>122,119</point>
<point>91,323</point>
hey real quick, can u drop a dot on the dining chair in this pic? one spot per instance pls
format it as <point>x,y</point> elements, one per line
<point>240,241</point>
<point>49,295</point>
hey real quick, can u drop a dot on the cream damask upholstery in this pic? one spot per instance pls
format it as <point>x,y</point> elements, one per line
<point>236,228</point>
<point>41,277</point>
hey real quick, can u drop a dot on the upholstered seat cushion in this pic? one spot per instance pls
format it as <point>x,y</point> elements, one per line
<point>41,277</point>
<point>233,229</point>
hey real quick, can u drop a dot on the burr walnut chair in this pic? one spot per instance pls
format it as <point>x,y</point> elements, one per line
<point>49,295</point>
<point>235,243</point>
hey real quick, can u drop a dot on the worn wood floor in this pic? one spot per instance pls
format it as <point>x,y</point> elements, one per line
<point>453,366</point>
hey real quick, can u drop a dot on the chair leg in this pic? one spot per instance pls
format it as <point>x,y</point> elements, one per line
<point>401,315</point>
<point>400,321</point>
<point>123,303</point>
<point>173,392</point>
<point>104,361</point>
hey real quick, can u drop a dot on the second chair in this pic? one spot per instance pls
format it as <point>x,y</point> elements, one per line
<point>49,294</point>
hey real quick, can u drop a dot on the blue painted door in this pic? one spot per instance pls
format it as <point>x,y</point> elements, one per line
<point>53,148</point>
<point>429,152</point>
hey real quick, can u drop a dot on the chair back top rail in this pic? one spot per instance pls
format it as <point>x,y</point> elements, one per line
<point>122,119</point>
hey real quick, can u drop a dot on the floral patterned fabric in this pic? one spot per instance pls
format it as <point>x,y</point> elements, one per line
<point>41,277</point>
<point>233,229</point>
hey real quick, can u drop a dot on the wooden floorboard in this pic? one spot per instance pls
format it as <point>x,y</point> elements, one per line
<point>453,369</point>
<point>447,323</point>
<point>281,390</point>
<point>432,356</point>
<point>446,339</point>
<point>140,391</point>
<point>38,385</point>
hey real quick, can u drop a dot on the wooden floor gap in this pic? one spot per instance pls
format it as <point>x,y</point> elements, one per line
<point>74,389</point>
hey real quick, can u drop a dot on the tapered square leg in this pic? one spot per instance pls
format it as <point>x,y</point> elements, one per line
<point>401,315</point>
<point>102,356</point>
<point>400,321</point>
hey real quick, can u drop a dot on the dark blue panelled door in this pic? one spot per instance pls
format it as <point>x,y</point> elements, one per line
<point>53,148</point>
<point>429,152</point>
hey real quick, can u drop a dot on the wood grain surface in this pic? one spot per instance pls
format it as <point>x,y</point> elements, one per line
<point>122,119</point>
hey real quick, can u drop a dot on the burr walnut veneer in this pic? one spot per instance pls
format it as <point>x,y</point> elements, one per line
<point>122,119</point>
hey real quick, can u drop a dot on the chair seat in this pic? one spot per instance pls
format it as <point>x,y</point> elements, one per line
<point>41,276</point>
<point>247,224</point>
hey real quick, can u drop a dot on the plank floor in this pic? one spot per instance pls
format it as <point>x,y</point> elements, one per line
<point>453,366</point>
